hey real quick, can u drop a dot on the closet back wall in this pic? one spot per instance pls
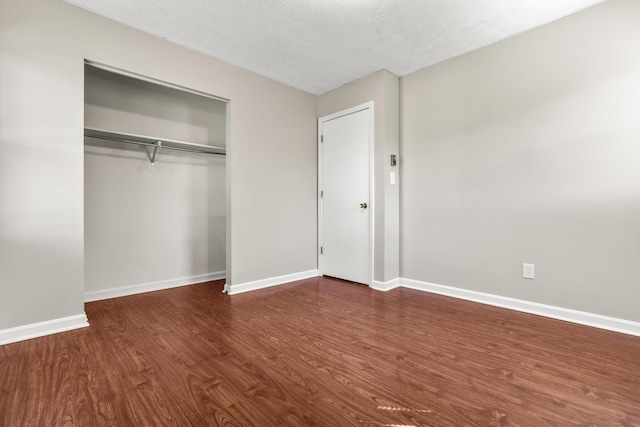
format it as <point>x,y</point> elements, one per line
<point>151,226</point>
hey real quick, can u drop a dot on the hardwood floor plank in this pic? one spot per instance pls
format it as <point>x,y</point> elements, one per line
<point>318,352</point>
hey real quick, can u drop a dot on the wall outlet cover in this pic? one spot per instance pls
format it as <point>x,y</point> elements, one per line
<point>528,271</point>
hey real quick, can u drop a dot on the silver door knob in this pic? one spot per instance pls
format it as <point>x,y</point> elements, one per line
<point>363,205</point>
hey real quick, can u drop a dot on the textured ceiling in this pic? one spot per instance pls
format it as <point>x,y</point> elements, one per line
<point>318,45</point>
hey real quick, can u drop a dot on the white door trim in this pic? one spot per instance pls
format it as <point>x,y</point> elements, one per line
<point>366,106</point>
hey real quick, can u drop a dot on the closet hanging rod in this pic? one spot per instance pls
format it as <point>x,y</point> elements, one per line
<point>148,141</point>
<point>156,145</point>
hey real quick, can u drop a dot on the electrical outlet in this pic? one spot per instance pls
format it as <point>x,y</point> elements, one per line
<point>528,271</point>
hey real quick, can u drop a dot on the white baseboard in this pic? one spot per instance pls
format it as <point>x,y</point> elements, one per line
<point>569,315</point>
<point>266,283</point>
<point>40,329</point>
<point>386,286</point>
<point>153,286</point>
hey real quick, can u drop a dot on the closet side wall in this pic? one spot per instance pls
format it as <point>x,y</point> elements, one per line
<point>271,159</point>
<point>41,211</point>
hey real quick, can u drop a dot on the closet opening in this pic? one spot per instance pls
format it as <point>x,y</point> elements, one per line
<point>154,184</point>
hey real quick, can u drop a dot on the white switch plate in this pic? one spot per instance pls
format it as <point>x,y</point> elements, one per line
<point>528,271</point>
<point>392,178</point>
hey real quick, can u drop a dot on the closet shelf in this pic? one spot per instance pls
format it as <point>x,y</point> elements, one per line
<point>153,142</point>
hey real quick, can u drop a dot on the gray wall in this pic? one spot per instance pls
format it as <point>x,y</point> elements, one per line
<point>529,151</point>
<point>383,89</point>
<point>271,162</point>
<point>525,151</point>
<point>151,223</point>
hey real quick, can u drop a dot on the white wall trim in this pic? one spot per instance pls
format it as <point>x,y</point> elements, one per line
<point>574,316</point>
<point>40,329</point>
<point>272,281</point>
<point>153,286</point>
<point>386,286</point>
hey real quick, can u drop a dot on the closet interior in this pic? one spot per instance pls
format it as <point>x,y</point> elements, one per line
<point>155,192</point>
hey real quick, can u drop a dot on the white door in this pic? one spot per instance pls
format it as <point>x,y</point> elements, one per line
<point>345,195</point>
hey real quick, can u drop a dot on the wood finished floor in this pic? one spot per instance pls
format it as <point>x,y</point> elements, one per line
<point>319,352</point>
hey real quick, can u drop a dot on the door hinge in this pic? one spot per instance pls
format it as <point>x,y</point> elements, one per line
<point>321,194</point>
<point>321,138</point>
<point>321,250</point>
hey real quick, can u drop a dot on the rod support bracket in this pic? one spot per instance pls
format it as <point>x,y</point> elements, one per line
<point>152,155</point>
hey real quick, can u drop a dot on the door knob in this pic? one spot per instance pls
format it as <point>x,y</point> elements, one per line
<point>363,205</point>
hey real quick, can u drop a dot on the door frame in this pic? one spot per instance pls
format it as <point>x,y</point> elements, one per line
<point>366,106</point>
